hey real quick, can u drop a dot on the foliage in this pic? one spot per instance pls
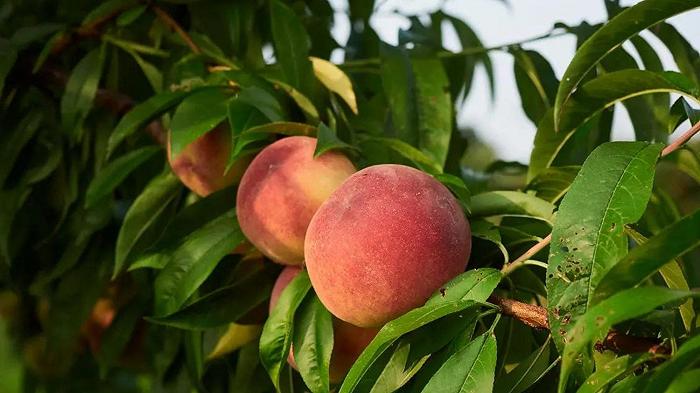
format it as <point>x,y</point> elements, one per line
<point>91,213</point>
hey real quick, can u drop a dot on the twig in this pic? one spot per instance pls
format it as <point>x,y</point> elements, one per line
<point>92,29</point>
<point>685,137</point>
<point>172,23</point>
<point>536,317</point>
<point>464,52</point>
<point>509,267</point>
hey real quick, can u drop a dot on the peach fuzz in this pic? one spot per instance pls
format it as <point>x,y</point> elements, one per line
<point>201,166</point>
<point>348,341</point>
<point>281,190</point>
<point>384,242</point>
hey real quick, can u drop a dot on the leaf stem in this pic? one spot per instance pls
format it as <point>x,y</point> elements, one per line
<point>172,23</point>
<point>520,261</point>
<point>685,137</point>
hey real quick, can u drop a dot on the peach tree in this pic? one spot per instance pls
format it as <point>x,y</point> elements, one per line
<point>193,197</point>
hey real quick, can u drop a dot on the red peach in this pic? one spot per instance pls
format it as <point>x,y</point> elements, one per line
<point>348,341</point>
<point>383,242</point>
<point>201,166</point>
<point>280,192</point>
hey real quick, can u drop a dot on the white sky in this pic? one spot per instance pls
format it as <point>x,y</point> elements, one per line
<point>502,122</point>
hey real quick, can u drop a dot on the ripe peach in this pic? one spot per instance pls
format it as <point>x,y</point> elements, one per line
<point>348,341</point>
<point>383,242</point>
<point>201,166</point>
<point>280,192</point>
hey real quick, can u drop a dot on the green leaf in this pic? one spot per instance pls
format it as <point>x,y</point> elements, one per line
<point>143,213</point>
<point>610,88</point>
<point>335,80</point>
<point>486,230</point>
<point>14,140</point>
<point>302,100</point>
<point>597,321</point>
<point>313,343</point>
<point>276,337</point>
<point>683,53</point>
<point>398,371</point>
<point>476,284</point>
<point>420,159</point>
<point>469,39</point>
<point>686,356</point>
<point>418,94</point>
<point>612,189</point>
<point>130,16</point>
<point>686,382</point>
<point>193,261</point>
<point>263,101</point>
<point>115,339</point>
<point>510,203</point>
<point>80,91</point>
<point>141,114</point>
<point>225,305</point>
<point>187,222</point>
<point>612,371</point>
<point>458,188</point>
<point>552,183</point>
<point>526,373</point>
<point>26,35</point>
<point>292,46</point>
<point>326,140</point>
<point>115,172</point>
<point>645,259</point>
<point>470,369</point>
<point>393,330</point>
<point>622,27</point>
<point>8,57</point>
<point>536,81</point>
<point>198,114</point>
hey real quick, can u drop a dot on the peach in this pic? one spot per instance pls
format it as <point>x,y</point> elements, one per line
<point>280,192</point>
<point>383,242</point>
<point>201,166</point>
<point>348,341</point>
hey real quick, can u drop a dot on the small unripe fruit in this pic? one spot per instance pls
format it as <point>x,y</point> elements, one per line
<point>383,242</point>
<point>348,341</point>
<point>201,166</point>
<point>280,192</point>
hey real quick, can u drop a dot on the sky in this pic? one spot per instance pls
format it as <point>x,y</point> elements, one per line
<point>501,122</point>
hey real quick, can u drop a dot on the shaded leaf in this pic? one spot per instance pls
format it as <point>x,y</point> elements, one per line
<point>235,338</point>
<point>526,373</point>
<point>143,213</point>
<point>141,114</point>
<point>597,321</point>
<point>80,91</point>
<point>193,261</point>
<point>198,114</point>
<point>686,356</point>
<point>115,172</point>
<point>536,81</point>
<point>510,203</point>
<point>326,140</point>
<point>611,371</point>
<point>292,46</point>
<point>611,35</point>
<point>552,183</point>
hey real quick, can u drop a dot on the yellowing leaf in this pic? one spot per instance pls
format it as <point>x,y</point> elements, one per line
<point>335,80</point>
<point>235,337</point>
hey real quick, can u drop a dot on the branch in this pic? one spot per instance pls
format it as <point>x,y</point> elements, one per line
<point>172,23</point>
<point>93,29</point>
<point>509,267</point>
<point>685,137</point>
<point>536,317</point>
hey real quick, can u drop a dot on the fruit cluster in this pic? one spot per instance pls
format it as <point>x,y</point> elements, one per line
<point>376,242</point>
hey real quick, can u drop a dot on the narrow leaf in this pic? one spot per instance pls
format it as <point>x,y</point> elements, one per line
<point>335,80</point>
<point>611,371</point>
<point>597,321</point>
<point>292,46</point>
<point>143,213</point>
<point>115,172</point>
<point>198,114</point>
<point>276,337</point>
<point>622,27</point>
<point>80,91</point>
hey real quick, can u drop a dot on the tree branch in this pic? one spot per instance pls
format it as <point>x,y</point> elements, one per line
<point>536,317</point>
<point>172,23</point>
<point>509,267</point>
<point>93,29</point>
<point>685,137</point>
